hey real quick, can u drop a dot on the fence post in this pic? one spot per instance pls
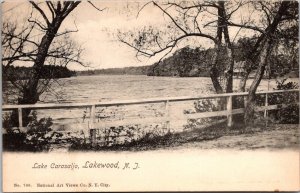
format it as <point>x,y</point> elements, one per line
<point>266,105</point>
<point>229,111</point>
<point>266,111</point>
<point>20,117</point>
<point>92,128</point>
<point>245,101</point>
<point>93,115</point>
<point>167,115</point>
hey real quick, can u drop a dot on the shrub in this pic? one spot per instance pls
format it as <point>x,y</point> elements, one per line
<point>6,121</point>
<point>287,115</point>
<point>35,139</point>
<point>37,132</point>
<point>205,105</point>
<point>290,114</point>
<point>126,134</point>
<point>14,140</point>
<point>115,137</point>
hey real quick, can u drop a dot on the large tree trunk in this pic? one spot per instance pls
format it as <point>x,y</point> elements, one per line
<point>31,93</point>
<point>230,65</point>
<point>229,49</point>
<point>254,53</point>
<point>217,62</point>
<point>250,61</point>
<point>249,111</point>
<point>214,72</point>
<point>214,78</point>
<point>263,57</point>
<point>243,81</point>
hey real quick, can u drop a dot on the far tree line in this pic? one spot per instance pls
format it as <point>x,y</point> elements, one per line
<point>195,62</point>
<point>47,72</point>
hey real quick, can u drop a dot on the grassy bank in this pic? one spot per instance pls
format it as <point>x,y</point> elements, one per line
<point>275,136</point>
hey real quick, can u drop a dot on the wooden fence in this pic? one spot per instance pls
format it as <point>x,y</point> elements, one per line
<point>166,118</point>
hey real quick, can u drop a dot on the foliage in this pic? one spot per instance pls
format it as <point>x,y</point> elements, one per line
<point>189,62</point>
<point>139,70</point>
<point>243,47</point>
<point>47,72</point>
<point>282,65</point>
<point>205,105</point>
<point>125,136</point>
<point>14,141</point>
<point>287,115</point>
<point>37,132</point>
<point>186,62</point>
<point>7,122</point>
<point>37,137</point>
<point>281,85</point>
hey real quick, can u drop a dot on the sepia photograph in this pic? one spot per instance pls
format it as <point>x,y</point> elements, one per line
<point>138,95</point>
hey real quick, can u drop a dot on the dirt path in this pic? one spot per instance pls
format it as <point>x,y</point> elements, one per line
<point>284,136</point>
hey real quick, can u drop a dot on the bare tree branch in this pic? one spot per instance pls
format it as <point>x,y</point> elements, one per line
<point>229,23</point>
<point>51,8</point>
<point>40,11</point>
<point>96,6</point>
<point>173,20</point>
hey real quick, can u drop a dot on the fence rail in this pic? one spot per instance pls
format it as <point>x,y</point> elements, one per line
<point>166,118</point>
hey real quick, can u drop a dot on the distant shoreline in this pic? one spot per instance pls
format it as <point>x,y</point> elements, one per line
<point>252,77</point>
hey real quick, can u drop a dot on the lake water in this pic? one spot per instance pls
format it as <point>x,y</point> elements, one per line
<point>123,87</point>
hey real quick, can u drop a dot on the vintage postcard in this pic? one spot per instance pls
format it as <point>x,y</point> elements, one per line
<point>145,95</point>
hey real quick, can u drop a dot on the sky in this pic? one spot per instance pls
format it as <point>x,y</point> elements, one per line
<point>96,30</point>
